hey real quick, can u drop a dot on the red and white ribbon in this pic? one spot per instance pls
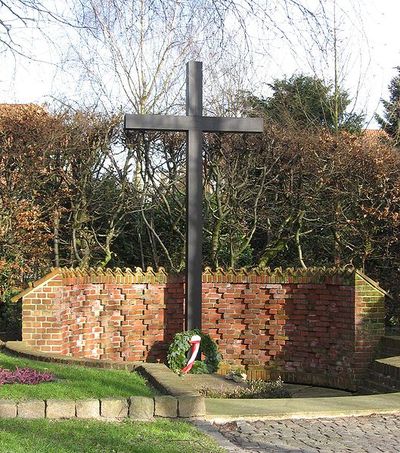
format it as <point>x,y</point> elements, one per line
<point>195,346</point>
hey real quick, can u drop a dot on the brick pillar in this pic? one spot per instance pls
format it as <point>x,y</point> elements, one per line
<point>41,317</point>
<point>369,323</point>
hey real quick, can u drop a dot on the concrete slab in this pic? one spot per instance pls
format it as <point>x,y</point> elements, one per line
<point>308,391</point>
<point>282,408</point>
<point>219,383</point>
<point>392,361</point>
<point>162,378</point>
<point>210,381</point>
<point>21,349</point>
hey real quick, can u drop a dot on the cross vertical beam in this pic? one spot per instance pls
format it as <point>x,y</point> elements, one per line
<point>194,124</point>
<point>194,197</point>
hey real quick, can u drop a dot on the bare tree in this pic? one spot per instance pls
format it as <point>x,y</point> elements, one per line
<point>19,16</point>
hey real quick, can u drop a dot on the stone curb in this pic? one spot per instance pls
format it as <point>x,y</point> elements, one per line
<point>135,407</point>
<point>21,349</point>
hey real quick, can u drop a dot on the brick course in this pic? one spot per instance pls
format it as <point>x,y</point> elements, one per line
<point>319,326</point>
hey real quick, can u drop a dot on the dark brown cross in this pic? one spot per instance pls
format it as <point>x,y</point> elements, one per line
<point>194,123</point>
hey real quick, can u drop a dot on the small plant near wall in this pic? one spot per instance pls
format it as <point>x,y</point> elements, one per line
<point>178,349</point>
<point>237,375</point>
<point>252,389</point>
<point>24,376</point>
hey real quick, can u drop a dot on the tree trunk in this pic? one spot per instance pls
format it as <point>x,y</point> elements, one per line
<point>56,240</point>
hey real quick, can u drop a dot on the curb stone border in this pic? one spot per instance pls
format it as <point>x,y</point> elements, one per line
<point>135,407</point>
<point>20,348</point>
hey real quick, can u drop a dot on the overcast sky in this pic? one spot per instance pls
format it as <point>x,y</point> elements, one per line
<point>369,48</point>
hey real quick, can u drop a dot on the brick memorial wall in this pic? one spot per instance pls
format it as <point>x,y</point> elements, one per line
<point>319,326</point>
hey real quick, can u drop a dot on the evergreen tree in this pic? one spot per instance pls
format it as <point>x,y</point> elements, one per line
<point>303,102</point>
<point>390,122</point>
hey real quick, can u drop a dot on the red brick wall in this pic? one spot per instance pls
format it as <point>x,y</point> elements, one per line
<point>112,316</point>
<point>319,327</point>
<point>246,319</point>
<point>320,331</point>
<point>132,322</point>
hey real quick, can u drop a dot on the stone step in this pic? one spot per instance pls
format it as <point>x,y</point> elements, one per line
<point>386,381</point>
<point>383,376</point>
<point>371,386</point>
<point>389,346</point>
<point>387,367</point>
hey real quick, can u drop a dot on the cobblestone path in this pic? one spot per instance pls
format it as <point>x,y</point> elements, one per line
<point>376,433</point>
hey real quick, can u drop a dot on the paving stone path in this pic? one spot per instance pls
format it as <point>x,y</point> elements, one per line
<point>376,433</point>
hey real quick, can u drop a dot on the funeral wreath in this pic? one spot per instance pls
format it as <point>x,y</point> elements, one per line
<point>178,349</point>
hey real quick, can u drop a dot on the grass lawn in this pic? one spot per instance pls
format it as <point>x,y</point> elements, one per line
<point>45,436</point>
<point>72,382</point>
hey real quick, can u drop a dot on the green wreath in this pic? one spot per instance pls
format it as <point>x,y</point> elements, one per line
<point>177,353</point>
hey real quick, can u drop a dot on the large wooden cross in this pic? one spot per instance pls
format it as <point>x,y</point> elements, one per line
<point>194,123</point>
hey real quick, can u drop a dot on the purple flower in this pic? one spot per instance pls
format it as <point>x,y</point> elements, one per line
<point>24,376</point>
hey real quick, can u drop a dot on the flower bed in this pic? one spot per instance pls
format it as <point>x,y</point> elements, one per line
<point>24,376</point>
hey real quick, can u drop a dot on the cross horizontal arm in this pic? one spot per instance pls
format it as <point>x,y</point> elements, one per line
<point>186,123</point>
<point>215,124</point>
<point>159,122</point>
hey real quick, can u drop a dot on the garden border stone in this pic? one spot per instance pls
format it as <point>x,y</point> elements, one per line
<point>89,408</point>
<point>135,407</point>
<point>141,407</point>
<point>8,409</point>
<point>32,409</point>
<point>217,409</point>
<point>165,406</point>
<point>114,407</point>
<point>191,406</point>
<point>56,408</point>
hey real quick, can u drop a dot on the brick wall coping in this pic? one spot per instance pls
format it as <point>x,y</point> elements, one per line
<point>373,283</point>
<point>332,275</point>
<point>98,275</point>
<point>37,284</point>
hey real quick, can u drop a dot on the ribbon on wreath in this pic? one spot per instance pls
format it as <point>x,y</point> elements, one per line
<point>195,346</point>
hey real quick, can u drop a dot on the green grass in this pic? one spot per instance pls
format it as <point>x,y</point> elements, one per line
<point>45,436</point>
<point>73,382</point>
